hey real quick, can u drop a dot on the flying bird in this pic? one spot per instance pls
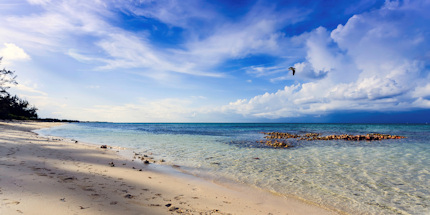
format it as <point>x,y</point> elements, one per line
<point>292,69</point>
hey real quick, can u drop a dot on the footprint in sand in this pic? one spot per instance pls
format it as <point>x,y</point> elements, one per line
<point>95,195</point>
<point>11,202</point>
<point>178,197</point>
<point>129,196</point>
<point>67,179</point>
<point>172,208</point>
<point>88,189</point>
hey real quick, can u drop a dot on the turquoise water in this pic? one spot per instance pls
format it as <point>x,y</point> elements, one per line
<point>378,177</point>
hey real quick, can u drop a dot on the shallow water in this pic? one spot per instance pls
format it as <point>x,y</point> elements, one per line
<point>377,177</point>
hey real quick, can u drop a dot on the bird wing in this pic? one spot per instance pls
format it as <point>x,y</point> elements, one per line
<point>292,69</point>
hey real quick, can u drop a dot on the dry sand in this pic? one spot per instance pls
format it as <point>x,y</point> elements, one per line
<point>40,175</point>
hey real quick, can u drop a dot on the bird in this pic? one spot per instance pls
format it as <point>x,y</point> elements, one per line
<point>292,69</point>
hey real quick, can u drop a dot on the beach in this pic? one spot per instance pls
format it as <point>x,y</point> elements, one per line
<point>41,175</point>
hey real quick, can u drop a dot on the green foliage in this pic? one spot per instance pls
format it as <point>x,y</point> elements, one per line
<point>7,78</point>
<point>12,107</point>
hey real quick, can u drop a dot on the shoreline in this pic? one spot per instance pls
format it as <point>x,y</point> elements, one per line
<point>57,176</point>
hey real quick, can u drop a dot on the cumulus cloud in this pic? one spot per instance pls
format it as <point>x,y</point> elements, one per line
<point>369,63</point>
<point>12,52</point>
<point>422,91</point>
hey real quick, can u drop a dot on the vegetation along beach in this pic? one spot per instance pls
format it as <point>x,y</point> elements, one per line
<point>214,107</point>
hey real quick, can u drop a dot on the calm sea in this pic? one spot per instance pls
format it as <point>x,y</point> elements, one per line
<point>357,177</point>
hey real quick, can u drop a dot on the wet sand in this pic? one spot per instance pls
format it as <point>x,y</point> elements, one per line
<point>40,175</point>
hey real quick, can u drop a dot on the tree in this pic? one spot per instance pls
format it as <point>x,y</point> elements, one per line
<point>12,107</point>
<point>7,77</point>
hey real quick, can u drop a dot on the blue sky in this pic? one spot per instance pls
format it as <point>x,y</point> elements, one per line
<point>220,61</point>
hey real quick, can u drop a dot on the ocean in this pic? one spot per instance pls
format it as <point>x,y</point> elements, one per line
<point>357,177</point>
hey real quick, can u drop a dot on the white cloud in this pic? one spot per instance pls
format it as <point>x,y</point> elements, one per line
<point>422,91</point>
<point>48,107</point>
<point>259,32</point>
<point>236,42</point>
<point>217,38</point>
<point>12,52</point>
<point>163,110</point>
<point>259,71</point>
<point>128,52</point>
<point>81,57</point>
<point>23,88</point>
<point>421,103</point>
<point>58,25</point>
<point>373,62</point>
<point>93,87</point>
<point>41,2</point>
<point>378,60</point>
<point>171,12</point>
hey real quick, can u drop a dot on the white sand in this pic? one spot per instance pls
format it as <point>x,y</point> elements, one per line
<point>50,176</point>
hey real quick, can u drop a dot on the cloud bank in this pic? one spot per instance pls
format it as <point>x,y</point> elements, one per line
<point>377,61</point>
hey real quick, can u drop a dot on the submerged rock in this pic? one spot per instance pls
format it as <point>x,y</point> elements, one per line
<point>276,143</point>
<point>276,139</point>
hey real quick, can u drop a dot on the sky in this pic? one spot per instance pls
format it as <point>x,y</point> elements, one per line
<point>220,61</point>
